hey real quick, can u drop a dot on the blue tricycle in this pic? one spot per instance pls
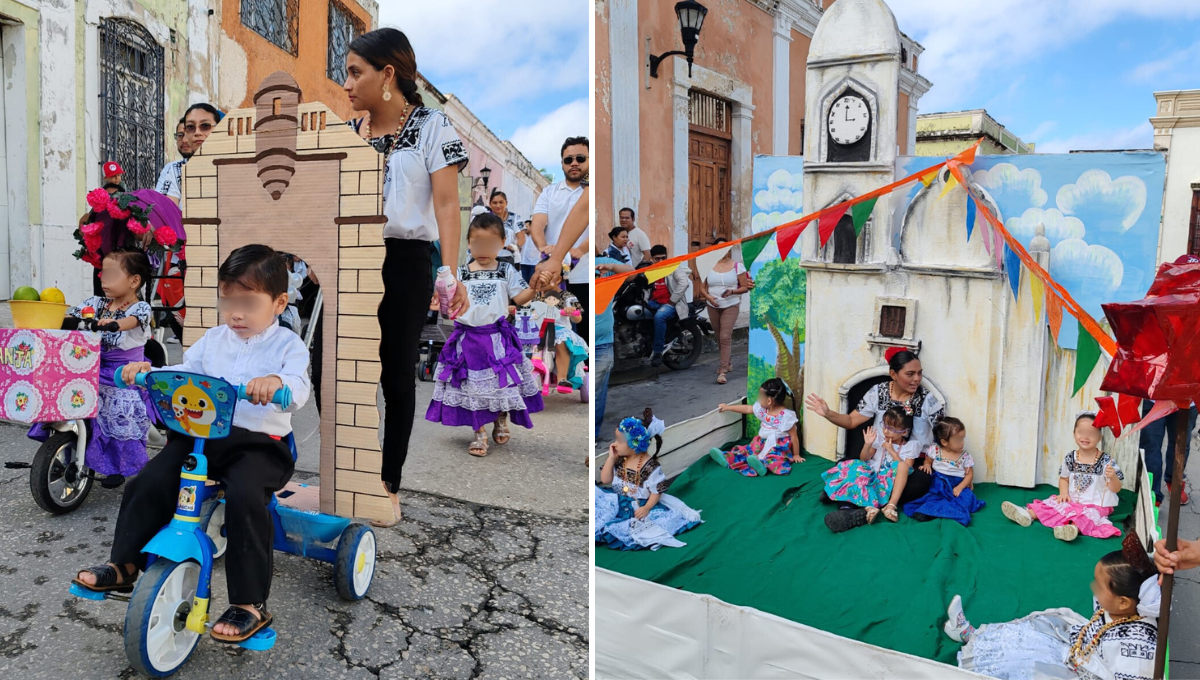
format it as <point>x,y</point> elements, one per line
<point>168,608</point>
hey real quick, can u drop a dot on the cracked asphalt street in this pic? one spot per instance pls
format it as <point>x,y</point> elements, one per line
<point>490,586</point>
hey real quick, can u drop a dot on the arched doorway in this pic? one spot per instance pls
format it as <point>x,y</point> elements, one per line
<point>851,392</point>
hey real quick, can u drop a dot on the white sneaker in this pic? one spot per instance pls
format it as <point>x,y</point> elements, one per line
<point>956,621</point>
<point>1067,532</point>
<point>155,438</point>
<point>1016,513</point>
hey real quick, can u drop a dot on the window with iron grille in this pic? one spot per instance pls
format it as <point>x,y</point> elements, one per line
<point>891,321</point>
<point>275,20</point>
<point>344,27</point>
<point>707,111</point>
<point>131,91</point>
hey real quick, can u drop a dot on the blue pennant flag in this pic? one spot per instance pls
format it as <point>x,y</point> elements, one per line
<point>1012,264</point>
<point>970,216</point>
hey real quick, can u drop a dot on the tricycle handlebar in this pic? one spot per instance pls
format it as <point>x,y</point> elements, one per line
<point>283,395</point>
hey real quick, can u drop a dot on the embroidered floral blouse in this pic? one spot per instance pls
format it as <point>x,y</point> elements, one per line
<point>640,484</point>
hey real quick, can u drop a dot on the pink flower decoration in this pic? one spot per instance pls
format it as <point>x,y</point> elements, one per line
<point>91,242</point>
<point>116,212</point>
<point>98,199</point>
<point>165,236</point>
<point>91,228</point>
<point>138,228</point>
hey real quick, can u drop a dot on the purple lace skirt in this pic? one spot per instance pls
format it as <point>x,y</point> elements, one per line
<point>480,374</point>
<point>117,436</point>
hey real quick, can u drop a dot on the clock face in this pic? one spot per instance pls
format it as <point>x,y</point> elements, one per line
<point>848,118</point>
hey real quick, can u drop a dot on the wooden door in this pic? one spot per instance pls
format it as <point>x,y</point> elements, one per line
<point>709,192</point>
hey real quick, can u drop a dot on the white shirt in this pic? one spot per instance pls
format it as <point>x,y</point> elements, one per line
<point>275,351</point>
<point>719,282</point>
<point>529,252</point>
<point>171,178</point>
<point>639,245</point>
<point>1086,483</point>
<point>555,202</point>
<point>427,143</point>
<point>489,291</point>
<point>909,450</point>
<point>118,340</point>
<point>950,468</point>
<point>512,224</point>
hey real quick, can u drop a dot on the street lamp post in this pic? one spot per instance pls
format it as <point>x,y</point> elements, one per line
<point>691,19</point>
<point>485,173</point>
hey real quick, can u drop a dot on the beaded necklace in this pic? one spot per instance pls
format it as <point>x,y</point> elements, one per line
<point>396,136</point>
<point>1078,656</point>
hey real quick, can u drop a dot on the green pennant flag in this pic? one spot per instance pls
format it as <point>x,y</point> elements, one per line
<point>1087,353</point>
<point>859,212</point>
<point>752,247</point>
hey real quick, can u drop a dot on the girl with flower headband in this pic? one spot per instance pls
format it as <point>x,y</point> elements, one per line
<point>1089,480</point>
<point>776,446</point>
<point>877,477</point>
<point>1118,642</point>
<point>637,512</point>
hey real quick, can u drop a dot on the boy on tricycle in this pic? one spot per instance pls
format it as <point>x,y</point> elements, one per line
<point>253,461</point>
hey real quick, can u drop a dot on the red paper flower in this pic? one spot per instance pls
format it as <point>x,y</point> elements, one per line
<point>98,199</point>
<point>92,259</point>
<point>116,212</point>
<point>92,242</point>
<point>165,236</point>
<point>138,228</point>
<point>91,228</point>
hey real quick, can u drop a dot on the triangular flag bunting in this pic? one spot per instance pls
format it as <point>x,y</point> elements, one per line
<point>1086,356</point>
<point>860,212</point>
<point>606,289</point>
<point>927,178</point>
<point>967,156</point>
<point>1129,409</point>
<point>1012,266</point>
<point>1039,295</point>
<point>1107,416</point>
<point>752,247</point>
<point>998,246</point>
<point>829,221</point>
<point>970,216</point>
<point>1053,313</point>
<point>950,184</point>
<point>705,262</point>
<point>786,239</point>
<point>653,275</point>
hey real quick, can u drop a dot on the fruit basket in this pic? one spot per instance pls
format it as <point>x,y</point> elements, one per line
<point>37,314</point>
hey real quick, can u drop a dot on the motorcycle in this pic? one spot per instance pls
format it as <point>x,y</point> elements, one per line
<point>633,328</point>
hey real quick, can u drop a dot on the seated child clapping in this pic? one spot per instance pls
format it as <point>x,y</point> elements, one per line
<point>776,446</point>
<point>1089,480</point>
<point>877,477</point>
<point>254,461</point>
<point>951,494</point>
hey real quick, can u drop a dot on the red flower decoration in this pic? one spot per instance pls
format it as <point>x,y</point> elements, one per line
<point>92,259</point>
<point>91,228</point>
<point>92,242</point>
<point>116,212</point>
<point>138,228</point>
<point>165,236</point>
<point>98,199</point>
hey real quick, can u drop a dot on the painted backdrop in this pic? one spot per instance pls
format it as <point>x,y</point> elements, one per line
<point>777,301</point>
<point>1101,212</point>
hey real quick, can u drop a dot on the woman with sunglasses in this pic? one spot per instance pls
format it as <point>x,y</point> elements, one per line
<point>196,125</point>
<point>422,158</point>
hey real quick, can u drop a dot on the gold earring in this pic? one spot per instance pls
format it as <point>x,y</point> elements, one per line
<point>387,96</point>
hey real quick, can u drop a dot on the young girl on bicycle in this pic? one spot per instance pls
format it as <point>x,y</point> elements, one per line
<point>482,376</point>
<point>254,461</point>
<point>116,445</point>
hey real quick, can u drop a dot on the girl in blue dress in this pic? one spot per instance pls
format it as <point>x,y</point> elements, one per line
<point>951,494</point>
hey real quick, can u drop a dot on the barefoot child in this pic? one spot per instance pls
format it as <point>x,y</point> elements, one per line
<point>877,477</point>
<point>637,512</point>
<point>253,461</point>
<point>482,376</point>
<point>776,446</point>
<point>116,445</point>
<point>1089,480</point>
<point>1119,640</point>
<point>952,494</point>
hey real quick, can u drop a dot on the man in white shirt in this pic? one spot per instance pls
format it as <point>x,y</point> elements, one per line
<point>639,241</point>
<point>551,211</point>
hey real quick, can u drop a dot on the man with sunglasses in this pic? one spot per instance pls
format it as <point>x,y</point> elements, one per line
<point>550,212</point>
<point>195,126</point>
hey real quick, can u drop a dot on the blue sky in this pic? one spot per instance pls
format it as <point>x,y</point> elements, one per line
<point>1065,74</point>
<point>522,66</point>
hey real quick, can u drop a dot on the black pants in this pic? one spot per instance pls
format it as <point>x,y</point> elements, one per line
<point>583,292</point>
<point>407,289</point>
<point>252,465</point>
<point>918,485</point>
<point>97,290</point>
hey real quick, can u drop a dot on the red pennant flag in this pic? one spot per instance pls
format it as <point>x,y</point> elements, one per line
<point>786,239</point>
<point>829,221</point>
<point>1161,409</point>
<point>1129,409</point>
<point>1107,416</point>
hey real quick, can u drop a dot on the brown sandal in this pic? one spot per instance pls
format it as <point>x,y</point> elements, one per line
<point>479,446</point>
<point>245,622</point>
<point>721,378</point>
<point>500,433</point>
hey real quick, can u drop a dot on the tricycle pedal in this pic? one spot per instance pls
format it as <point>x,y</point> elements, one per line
<point>79,591</point>
<point>260,641</point>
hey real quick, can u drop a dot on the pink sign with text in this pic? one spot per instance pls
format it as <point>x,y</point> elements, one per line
<point>47,375</point>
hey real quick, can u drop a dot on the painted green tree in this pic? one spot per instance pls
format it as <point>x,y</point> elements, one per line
<point>778,304</point>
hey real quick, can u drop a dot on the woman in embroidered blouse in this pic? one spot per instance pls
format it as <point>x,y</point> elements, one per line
<point>422,157</point>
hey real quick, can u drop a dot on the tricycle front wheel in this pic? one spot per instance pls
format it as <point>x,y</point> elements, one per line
<point>157,640</point>
<point>55,485</point>
<point>355,566</point>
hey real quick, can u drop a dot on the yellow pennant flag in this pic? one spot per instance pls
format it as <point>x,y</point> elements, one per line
<point>1039,291</point>
<point>950,184</point>
<point>927,178</point>
<point>653,275</point>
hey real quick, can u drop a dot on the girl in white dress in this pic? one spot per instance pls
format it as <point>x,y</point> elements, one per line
<point>1117,643</point>
<point>777,444</point>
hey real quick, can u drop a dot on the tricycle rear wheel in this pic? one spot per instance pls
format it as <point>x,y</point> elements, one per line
<point>355,566</point>
<point>52,478</point>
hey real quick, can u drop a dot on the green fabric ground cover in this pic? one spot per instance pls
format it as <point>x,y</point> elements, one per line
<point>764,544</point>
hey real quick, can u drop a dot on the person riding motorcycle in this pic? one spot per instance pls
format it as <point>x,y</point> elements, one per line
<point>667,297</point>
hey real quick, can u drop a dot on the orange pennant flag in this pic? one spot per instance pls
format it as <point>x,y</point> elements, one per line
<point>967,156</point>
<point>1053,313</point>
<point>605,290</point>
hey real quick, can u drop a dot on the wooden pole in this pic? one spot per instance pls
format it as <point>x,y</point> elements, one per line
<point>1182,441</point>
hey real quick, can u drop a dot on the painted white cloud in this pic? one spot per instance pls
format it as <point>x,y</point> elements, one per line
<point>542,141</point>
<point>768,220</point>
<point>1103,202</point>
<point>1014,190</point>
<point>1059,227</point>
<point>784,192</point>
<point>1094,270</point>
